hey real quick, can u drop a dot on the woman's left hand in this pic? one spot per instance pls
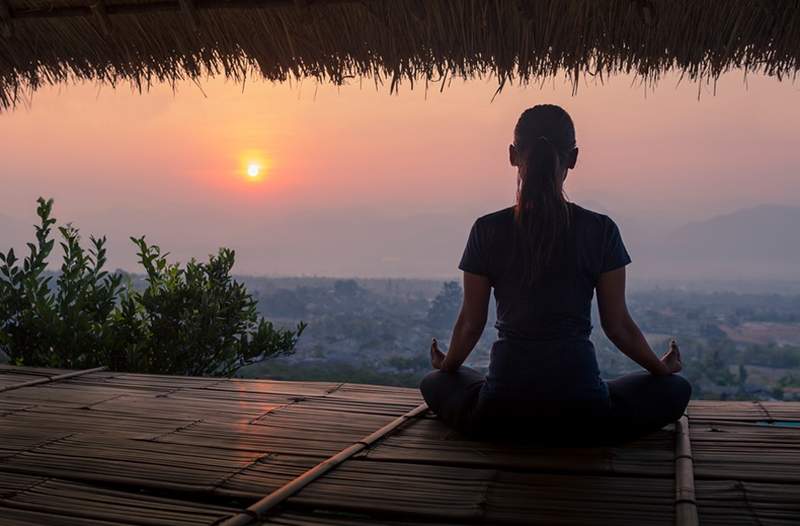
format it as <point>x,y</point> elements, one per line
<point>437,356</point>
<point>672,360</point>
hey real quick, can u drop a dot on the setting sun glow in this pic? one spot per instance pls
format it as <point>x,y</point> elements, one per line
<point>254,166</point>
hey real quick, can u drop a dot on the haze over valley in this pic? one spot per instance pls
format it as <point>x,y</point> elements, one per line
<point>752,244</point>
<point>349,207</point>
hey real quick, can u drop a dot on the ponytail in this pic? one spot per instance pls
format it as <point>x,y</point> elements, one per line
<point>542,213</point>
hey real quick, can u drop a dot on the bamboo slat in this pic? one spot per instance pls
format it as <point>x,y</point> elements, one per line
<point>725,451</point>
<point>264,505</point>
<point>746,462</point>
<point>744,411</point>
<point>430,442</point>
<point>469,495</point>
<point>46,500</point>
<point>685,503</point>
<point>11,378</point>
<point>50,379</point>
<point>296,518</point>
<point>6,369</point>
<point>738,503</point>
<point>218,444</point>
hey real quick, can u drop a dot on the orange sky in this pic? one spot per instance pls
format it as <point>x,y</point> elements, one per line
<point>364,182</point>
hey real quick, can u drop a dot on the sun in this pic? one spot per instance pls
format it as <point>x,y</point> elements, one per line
<point>255,166</point>
<point>253,170</point>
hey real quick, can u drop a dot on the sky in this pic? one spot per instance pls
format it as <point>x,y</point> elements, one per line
<point>357,181</point>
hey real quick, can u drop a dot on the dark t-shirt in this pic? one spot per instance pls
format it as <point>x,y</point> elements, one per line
<point>559,306</point>
<point>543,351</point>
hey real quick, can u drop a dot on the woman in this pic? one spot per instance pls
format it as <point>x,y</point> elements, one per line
<point>544,257</point>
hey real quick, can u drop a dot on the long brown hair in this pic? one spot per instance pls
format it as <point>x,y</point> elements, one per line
<point>543,137</point>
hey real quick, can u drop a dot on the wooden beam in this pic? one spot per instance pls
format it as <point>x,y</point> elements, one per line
<point>685,502</point>
<point>258,510</point>
<point>101,15</point>
<point>190,12</point>
<point>6,31</point>
<point>67,11</point>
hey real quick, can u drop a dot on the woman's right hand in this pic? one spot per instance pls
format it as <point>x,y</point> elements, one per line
<point>672,359</point>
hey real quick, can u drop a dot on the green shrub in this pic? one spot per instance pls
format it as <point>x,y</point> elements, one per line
<point>193,319</point>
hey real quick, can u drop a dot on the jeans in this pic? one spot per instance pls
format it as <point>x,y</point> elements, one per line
<point>637,404</point>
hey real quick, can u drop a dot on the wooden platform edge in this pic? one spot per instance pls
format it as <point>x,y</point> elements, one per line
<point>51,379</point>
<point>685,501</point>
<point>262,507</point>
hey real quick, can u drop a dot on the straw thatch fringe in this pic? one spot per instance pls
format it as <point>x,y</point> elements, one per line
<point>150,41</point>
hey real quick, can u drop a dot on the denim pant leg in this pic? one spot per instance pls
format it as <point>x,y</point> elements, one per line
<point>453,396</point>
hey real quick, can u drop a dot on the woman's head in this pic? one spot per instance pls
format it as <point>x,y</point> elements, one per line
<point>541,129</point>
<point>544,150</point>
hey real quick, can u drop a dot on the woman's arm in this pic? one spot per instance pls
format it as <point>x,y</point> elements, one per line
<point>623,331</point>
<point>469,325</point>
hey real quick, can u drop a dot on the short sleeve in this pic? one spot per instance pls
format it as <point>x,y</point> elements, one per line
<point>474,259</point>
<point>614,254</point>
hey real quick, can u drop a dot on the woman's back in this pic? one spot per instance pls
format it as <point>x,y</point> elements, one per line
<point>558,305</point>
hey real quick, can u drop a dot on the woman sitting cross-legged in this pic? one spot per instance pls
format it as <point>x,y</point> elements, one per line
<point>545,257</point>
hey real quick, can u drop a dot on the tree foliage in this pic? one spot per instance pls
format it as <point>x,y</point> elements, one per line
<point>193,319</point>
<point>444,309</point>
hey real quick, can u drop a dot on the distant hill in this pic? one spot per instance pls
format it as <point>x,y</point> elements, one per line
<point>760,242</point>
<point>767,231</point>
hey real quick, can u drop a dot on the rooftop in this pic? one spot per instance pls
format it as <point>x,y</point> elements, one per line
<point>101,448</point>
<point>149,41</point>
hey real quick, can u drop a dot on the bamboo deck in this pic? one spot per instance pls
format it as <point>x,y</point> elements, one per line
<point>106,448</point>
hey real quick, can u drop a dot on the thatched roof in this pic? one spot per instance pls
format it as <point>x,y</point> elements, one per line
<point>147,41</point>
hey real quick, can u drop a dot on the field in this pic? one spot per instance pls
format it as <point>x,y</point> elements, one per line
<point>764,333</point>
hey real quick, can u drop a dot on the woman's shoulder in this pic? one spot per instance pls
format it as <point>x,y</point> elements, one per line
<point>590,218</point>
<point>496,218</point>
